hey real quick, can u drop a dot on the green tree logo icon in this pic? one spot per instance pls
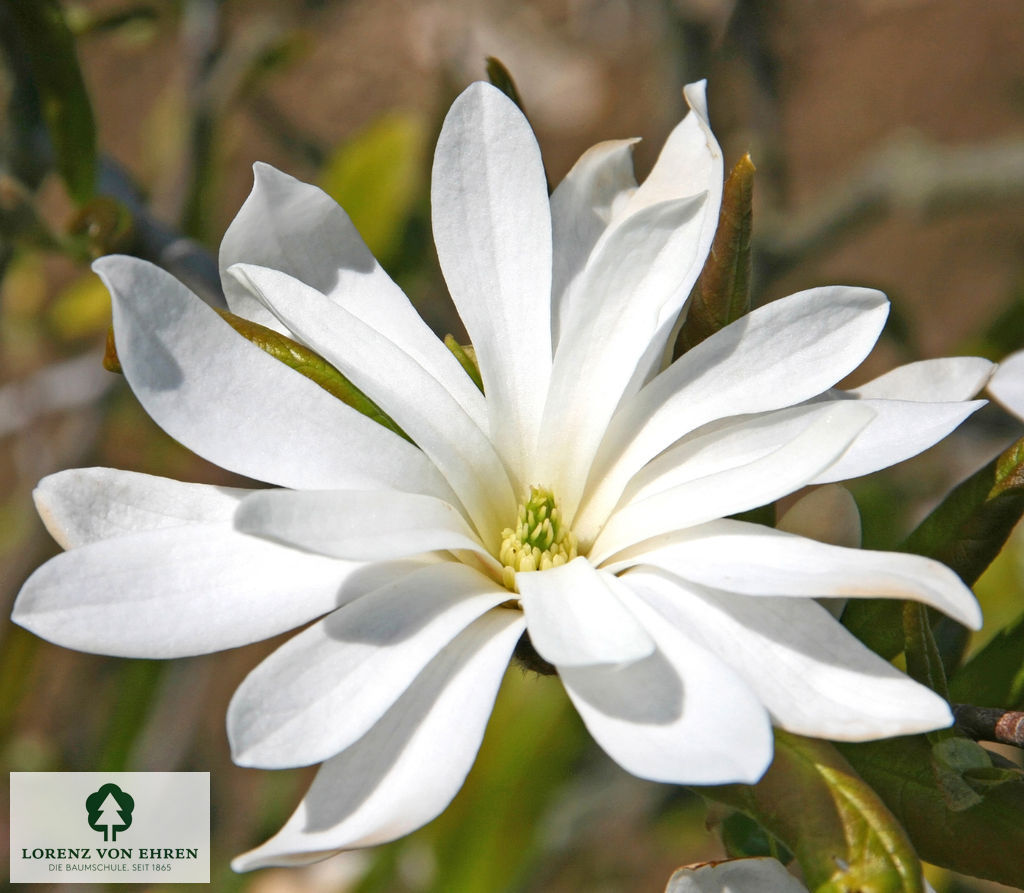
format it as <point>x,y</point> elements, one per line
<point>110,811</point>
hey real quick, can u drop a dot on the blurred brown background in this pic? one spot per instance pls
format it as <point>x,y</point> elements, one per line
<point>889,141</point>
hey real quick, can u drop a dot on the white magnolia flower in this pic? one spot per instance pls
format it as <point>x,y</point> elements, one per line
<point>585,498</point>
<point>760,875</point>
<point>1007,384</point>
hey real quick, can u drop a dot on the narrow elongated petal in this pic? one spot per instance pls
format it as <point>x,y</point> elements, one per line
<point>754,560</point>
<point>324,689</point>
<point>814,677</point>
<point>690,163</point>
<point>582,207</point>
<point>724,445</point>
<point>632,274</point>
<point>680,715</point>
<point>180,591</point>
<point>576,616</point>
<point>492,228</point>
<point>899,430</point>
<point>933,381</point>
<point>84,505</point>
<point>407,768</point>
<point>234,405</point>
<point>1007,384</point>
<point>360,525</point>
<point>298,229</point>
<point>416,400</point>
<point>732,490</point>
<point>781,354</point>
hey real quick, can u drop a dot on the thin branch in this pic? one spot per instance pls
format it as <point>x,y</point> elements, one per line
<point>64,386</point>
<point>991,724</point>
<point>909,173</point>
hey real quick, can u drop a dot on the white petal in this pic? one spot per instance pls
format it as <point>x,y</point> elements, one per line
<point>492,227</point>
<point>324,689</point>
<point>634,272</point>
<point>735,876</point>
<point>827,514</point>
<point>185,590</point>
<point>900,429</point>
<point>235,405</point>
<point>359,525</point>
<point>416,400</point>
<point>781,354</point>
<point>680,715</point>
<point>724,445</point>
<point>814,677</point>
<point>690,163</point>
<point>1007,384</point>
<point>581,210</point>
<point>575,616</point>
<point>406,769</point>
<point>731,490</point>
<point>298,229</point>
<point>756,560</point>
<point>934,381</point>
<point>84,505</point>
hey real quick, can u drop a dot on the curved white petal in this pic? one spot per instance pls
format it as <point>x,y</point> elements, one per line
<point>582,207</point>
<point>718,494</point>
<point>492,228</point>
<point>828,514</point>
<point>238,407</point>
<point>325,688</point>
<point>934,381</point>
<point>416,400</point>
<point>781,354</point>
<point>754,560</point>
<point>680,715</point>
<point>84,505</point>
<point>181,591</point>
<point>725,445</point>
<point>576,616</point>
<point>735,876</point>
<point>899,430</point>
<point>637,268</point>
<point>690,163</point>
<point>361,525</point>
<point>298,229</point>
<point>814,677</point>
<point>1007,384</point>
<point>407,768</point>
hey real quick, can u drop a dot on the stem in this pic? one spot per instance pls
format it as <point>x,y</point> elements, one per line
<point>991,723</point>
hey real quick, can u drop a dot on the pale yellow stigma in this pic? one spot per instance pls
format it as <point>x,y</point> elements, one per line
<point>539,540</point>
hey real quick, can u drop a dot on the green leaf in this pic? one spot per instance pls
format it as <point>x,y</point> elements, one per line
<point>985,838</point>
<point>722,293</point>
<point>995,675</point>
<point>841,833</point>
<point>466,356</point>
<point>297,357</point>
<point>501,78</point>
<point>312,365</point>
<point>50,48</point>
<point>924,662</point>
<point>378,176</point>
<point>965,532</point>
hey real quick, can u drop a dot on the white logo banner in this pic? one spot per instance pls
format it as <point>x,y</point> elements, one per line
<point>127,827</point>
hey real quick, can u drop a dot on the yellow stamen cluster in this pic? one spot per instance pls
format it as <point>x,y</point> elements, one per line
<point>539,540</point>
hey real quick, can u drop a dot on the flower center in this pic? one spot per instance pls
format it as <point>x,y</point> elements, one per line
<point>540,540</point>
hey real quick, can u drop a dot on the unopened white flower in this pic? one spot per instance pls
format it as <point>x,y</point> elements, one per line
<point>760,875</point>
<point>586,498</point>
<point>1007,384</point>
